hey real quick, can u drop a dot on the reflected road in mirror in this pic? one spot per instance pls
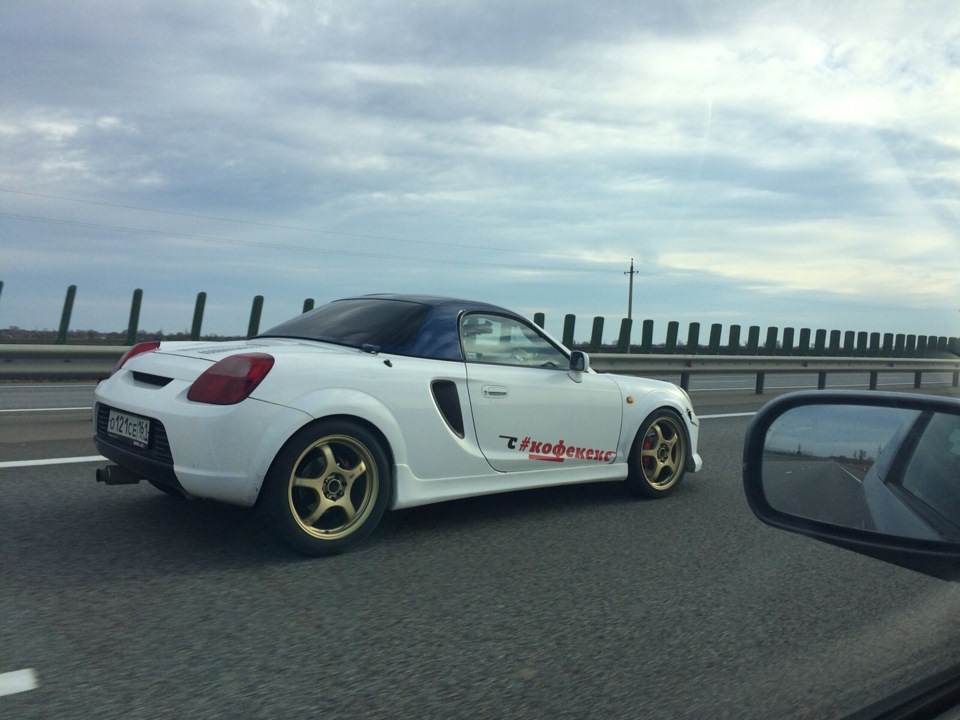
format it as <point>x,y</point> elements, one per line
<point>883,469</point>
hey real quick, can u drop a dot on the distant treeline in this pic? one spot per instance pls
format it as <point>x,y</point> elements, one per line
<point>16,335</point>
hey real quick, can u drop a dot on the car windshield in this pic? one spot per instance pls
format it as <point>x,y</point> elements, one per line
<point>357,322</point>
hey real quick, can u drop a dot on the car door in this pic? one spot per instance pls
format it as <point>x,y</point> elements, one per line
<point>529,411</point>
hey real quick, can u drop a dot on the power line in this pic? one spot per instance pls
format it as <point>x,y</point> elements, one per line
<point>275,226</point>
<point>361,236</point>
<point>284,246</point>
<point>657,269</point>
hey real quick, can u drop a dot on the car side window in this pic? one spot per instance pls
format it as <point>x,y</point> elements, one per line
<point>505,341</point>
<point>933,473</point>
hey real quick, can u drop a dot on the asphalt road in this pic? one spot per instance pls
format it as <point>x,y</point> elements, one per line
<point>817,489</point>
<point>120,602</point>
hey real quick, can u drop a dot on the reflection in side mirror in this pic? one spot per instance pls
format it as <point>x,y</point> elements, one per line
<point>878,469</point>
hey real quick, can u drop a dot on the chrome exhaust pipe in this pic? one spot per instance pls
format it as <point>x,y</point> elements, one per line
<point>116,475</point>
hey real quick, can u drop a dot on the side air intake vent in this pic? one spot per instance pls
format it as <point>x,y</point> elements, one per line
<point>447,398</point>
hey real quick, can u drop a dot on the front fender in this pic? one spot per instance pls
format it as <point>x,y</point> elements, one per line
<point>654,400</point>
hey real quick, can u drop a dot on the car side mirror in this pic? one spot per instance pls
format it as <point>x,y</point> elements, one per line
<point>579,364</point>
<point>875,473</point>
<point>579,361</point>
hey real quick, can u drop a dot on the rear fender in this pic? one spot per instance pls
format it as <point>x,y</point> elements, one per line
<point>338,402</point>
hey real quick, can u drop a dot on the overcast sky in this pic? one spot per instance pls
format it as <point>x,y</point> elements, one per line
<point>788,163</point>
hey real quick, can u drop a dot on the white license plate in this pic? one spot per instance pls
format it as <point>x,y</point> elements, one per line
<point>130,427</point>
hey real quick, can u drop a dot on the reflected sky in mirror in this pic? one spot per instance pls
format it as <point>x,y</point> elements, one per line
<point>836,431</point>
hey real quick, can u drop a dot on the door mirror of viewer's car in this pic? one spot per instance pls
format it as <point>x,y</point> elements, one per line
<point>875,473</point>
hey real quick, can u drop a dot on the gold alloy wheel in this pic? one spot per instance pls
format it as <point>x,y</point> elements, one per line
<point>333,487</point>
<point>663,453</point>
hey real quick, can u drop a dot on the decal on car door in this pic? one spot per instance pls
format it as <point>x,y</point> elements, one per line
<point>558,451</point>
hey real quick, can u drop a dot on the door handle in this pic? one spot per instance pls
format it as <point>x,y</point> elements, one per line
<point>493,391</point>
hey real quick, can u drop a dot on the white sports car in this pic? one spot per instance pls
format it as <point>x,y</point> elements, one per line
<point>383,401</point>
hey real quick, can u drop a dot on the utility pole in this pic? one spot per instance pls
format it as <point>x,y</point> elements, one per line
<point>631,273</point>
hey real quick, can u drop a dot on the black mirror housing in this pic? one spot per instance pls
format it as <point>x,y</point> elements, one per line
<point>777,499</point>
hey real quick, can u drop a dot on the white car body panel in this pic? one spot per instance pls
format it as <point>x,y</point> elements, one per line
<point>515,407</point>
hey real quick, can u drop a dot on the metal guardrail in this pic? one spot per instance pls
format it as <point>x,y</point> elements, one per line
<point>89,362</point>
<point>761,366</point>
<point>61,362</point>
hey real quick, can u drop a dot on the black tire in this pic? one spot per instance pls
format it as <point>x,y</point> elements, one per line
<point>658,458</point>
<point>328,487</point>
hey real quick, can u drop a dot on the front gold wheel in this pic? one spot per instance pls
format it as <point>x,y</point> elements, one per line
<point>658,459</point>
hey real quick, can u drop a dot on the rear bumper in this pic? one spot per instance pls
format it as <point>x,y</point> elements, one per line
<point>154,463</point>
<point>217,452</point>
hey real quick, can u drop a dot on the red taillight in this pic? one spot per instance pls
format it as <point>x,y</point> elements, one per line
<point>137,349</point>
<point>231,380</point>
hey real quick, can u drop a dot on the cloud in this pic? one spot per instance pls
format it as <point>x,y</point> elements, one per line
<point>517,152</point>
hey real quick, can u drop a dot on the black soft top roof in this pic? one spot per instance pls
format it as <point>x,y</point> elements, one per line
<point>417,325</point>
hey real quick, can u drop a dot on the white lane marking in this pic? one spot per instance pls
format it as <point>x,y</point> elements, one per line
<point>33,410</point>
<point>14,387</point>
<point>51,461</point>
<point>859,481</point>
<point>726,415</point>
<point>17,682</point>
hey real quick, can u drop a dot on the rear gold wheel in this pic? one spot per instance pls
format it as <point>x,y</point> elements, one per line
<point>328,487</point>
